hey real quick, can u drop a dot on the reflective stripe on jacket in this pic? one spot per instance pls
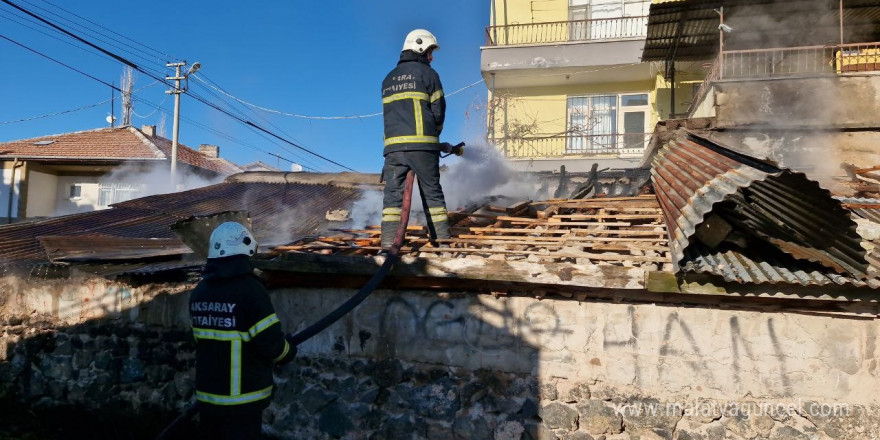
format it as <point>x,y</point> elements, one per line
<point>238,337</point>
<point>413,105</point>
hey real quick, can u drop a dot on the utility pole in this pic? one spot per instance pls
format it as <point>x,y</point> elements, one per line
<point>176,91</point>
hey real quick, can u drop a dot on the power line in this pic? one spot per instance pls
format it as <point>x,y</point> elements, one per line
<point>58,113</point>
<point>152,75</point>
<point>217,132</point>
<point>60,62</point>
<point>63,112</point>
<point>121,45</point>
<point>295,115</point>
<point>156,51</point>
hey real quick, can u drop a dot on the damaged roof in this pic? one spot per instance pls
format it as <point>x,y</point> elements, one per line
<point>748,221</point>
<point>141,228</point>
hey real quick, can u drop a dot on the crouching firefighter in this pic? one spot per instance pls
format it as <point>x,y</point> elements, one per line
<point>238,339</point>
<point>414,109</point>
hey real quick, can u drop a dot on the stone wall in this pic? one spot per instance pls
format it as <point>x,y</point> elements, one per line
<point>441,365</point>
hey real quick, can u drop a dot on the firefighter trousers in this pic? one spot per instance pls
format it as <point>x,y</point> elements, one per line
<point>426,166</point>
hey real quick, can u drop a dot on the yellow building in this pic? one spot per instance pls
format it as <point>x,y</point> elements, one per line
<point>567,85</point>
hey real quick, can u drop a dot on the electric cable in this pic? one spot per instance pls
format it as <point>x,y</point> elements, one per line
<point>60,62</point>
<point>296,115</point>
<point>73,109</point>
<point>155,51</point>
<point>154,76</point>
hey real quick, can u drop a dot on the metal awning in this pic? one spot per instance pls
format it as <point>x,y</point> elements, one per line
<point>687,30</point>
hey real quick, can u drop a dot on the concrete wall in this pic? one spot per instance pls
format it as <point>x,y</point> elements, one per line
<point>834,102</point>
<point>86,203</point>
<point>446,365</point>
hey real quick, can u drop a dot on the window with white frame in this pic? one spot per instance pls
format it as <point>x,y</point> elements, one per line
<point>606,123</point>
<point>595,19</point>
<point>74,191</point>
<point>117,192</point>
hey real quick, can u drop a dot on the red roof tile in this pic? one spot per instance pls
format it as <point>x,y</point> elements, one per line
<point>120,144</point>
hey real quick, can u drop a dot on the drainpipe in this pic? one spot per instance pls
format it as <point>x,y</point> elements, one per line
<point>15,164</point>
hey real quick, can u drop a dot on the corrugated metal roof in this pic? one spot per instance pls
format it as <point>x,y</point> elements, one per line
<point>868,209</point>
<point>280,213</point>
<point>103,247</point>
<point>768,267</point>
<point>793,215</point>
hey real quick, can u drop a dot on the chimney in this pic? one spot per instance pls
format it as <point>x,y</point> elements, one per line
<point>211,151</point>
<point>149,130</point>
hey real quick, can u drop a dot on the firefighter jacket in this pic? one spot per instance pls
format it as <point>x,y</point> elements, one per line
<point>413,105</point>
<point>238,337</point>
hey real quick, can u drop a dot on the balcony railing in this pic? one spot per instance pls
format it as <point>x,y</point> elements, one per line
<point>600,29</point>
<point>574,145</point>
<point>803,62</point>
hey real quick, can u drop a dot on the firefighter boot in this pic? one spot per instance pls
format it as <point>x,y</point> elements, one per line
<point>441,229</point>
<point>389,230</point>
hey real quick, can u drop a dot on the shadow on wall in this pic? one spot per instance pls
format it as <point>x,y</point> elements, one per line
<point>128,373</point>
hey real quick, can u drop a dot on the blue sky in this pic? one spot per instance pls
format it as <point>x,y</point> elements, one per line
<point>314,58</point>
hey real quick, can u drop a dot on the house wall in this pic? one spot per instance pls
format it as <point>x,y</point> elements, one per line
<point>86,203</point>
<point>412,364</point>
<point>42,194</point>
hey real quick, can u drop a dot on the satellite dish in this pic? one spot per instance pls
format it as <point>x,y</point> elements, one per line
<point>110,119</point>
<point>295,167</point>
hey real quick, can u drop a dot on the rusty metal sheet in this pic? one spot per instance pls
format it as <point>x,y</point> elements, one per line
<point>281,212</point>
<point>694,177</point>
<point>103,247</point>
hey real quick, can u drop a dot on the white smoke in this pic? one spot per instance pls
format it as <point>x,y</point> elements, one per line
<point>156,178</point>
<point>481,172</point>
<point>367,210</point>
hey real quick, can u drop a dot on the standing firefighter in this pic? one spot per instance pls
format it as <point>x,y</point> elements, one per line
<point>414,109</point>
<point>238,339</point>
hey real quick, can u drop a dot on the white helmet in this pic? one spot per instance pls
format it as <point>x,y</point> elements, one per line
<point>231,238</point>
<point>420,41</point>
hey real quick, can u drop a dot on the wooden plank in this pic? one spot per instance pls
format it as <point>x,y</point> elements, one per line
<point>621,232</point>
<point>552,255</point>
<point>597,200</point>
<point>611,216</point>
<point>525,239</point>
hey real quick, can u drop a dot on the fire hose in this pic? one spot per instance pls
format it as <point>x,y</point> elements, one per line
<point>344,308</point>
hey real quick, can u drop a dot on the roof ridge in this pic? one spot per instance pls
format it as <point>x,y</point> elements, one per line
<point>156,151</point>
<point>65,134</point>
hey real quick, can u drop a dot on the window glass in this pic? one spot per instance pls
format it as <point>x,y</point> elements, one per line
<point>634,100</point>
<point>75,191</point>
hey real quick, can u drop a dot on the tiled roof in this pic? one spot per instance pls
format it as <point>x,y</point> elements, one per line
<point>110,144</point>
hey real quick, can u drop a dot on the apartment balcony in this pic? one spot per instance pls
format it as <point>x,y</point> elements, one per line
<point>825,72</point>
<point>570,146</point>
<point>578,52</point>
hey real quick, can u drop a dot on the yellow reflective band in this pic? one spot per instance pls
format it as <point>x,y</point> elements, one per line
<point>437,210</point>
<point>405,95</point>
<point>235,368</point>
<point>438,218</point>
<point>436,95</point>
<point>420,124</point>
<point>283,352</point>
<point>263,324</point>
<point>219,399</point>
<point>390,218</point>
<point>392,210</point>
<point>412,140</point>
<point>220,335</point>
